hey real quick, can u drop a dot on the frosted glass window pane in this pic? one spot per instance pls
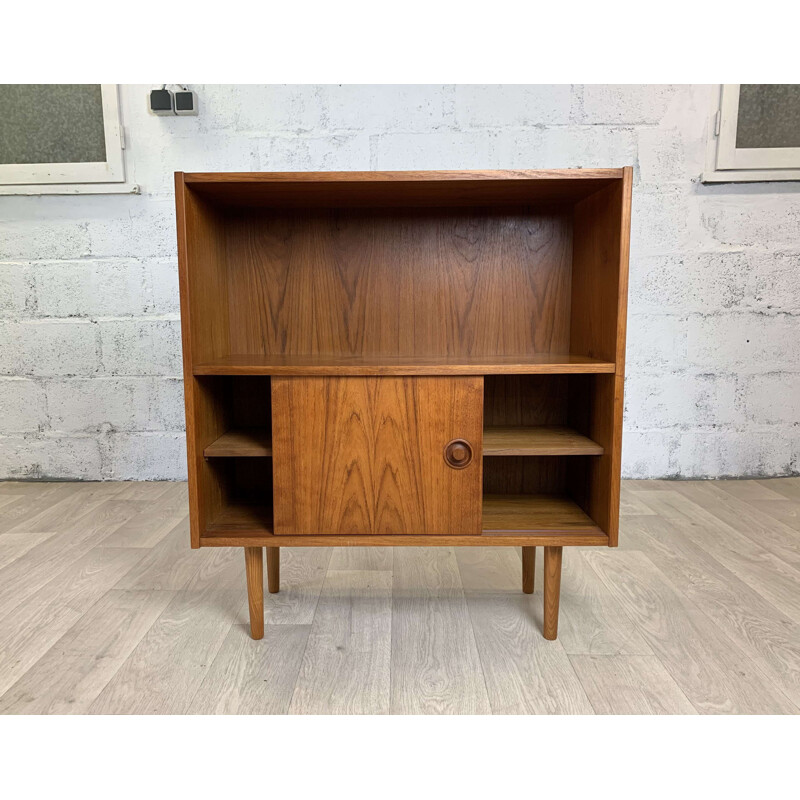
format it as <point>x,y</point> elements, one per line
<point>51,124</point>
<point>769,115</point>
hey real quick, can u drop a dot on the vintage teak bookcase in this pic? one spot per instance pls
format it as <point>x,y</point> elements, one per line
<point>404,358</point>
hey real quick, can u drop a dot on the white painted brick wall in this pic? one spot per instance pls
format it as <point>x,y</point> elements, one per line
<point>89,327</point>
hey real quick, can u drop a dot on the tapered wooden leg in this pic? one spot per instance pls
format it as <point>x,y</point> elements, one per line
<point>254,567</point>
<point>273,569</point>
<point>552,590</point>
<point>528,569</point>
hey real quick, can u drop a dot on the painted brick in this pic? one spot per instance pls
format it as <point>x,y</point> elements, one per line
<point>342,152</point>
<point>162,278</point>
<point>91,288</point>
<point>548,148</point>
<point>379,108</point>
<point>123,404</point>
<point>42,456</point>
<point>702,282</point>
<point>662,156</point>
<point>655,341</point>
<point>22,402</point>
<point>769,221</point>
<point>165,405</point>
<point>649,454</point>
<point>87,405</point>
<point>773,398</point>
<point>666,219</point>
<point>32,238</point>
<point>440,150</point>
<point>272,108</point>
<point>145,456</point>
<point>738,453</point>
<point>197,153</point>
<point>48,347</point>
<point>17,295</point>
<point>627,104</point>
<point>134,227</point>
<point>513,105</point>
<point>744,342</point>
<point>775,281</point>
<point>658,401</point>
<point>141,347</point>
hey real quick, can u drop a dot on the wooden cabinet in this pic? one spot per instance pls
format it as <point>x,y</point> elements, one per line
<point>407,358</point>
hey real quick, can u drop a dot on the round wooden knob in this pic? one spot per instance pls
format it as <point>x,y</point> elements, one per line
<point>458,454</point>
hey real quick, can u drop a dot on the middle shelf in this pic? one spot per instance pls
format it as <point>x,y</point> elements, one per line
<point>539,440</point>
<point>241,442</point>
<point>543,440</point>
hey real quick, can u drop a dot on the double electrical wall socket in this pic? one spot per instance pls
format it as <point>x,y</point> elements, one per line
<point>166,103</point>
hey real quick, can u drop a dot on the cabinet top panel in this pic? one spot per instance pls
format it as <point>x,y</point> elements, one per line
<point>435,188</point>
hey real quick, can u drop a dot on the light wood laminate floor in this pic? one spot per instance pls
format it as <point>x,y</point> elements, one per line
<point>105,609</point>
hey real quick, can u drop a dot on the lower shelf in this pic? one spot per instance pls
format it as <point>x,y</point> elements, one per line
<point>507,520</point>
<point>241,518</point>
<point>535,513</point>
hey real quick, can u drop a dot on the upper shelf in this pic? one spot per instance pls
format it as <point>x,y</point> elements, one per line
<point>397,189</point>
<point>543,363</point>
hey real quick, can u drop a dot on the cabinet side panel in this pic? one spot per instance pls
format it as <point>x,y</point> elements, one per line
<point>400,282</point>
<point>598,328</point>
<point>366,455</point>
<point>204,333</point>
<point>596,274</point>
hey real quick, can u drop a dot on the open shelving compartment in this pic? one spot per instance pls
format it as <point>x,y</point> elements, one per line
<point>236,453</point>
<point>539,447</point>
<point>519,277</point>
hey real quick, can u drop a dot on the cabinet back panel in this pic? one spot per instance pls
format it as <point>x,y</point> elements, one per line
<point>521,400</point>
<point>525,475</point>
<point>407,282</point>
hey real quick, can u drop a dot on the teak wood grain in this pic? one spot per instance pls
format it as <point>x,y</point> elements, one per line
<point>273,569</point>
<point>241,442</point>
<point>552,590</point>
<point>536,364</point>
<point>528,569</point>
<point>254,569</point>
<point>399,282</point>
<point>366,455</point>
<point>504,513</point>
<point>205,333</point>
<point>591,537</point>
<point>598,327</point>
<point>398,189</point>
<point>545,440</point>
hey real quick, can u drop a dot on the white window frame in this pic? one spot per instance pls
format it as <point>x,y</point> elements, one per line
<point>81,177</point>
<point>725,162</point>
